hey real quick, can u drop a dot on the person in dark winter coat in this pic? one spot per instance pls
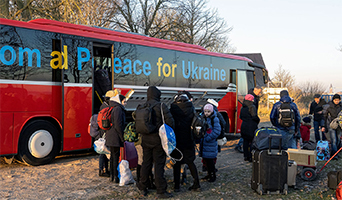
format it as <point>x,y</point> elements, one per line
<point>250,121</point>
<point>103,160</point>
<point>114,136</point>
<point>316,109</point>
<point>289,134</point>
<point>153,152</point>
<point>331,113</point>
<point>182,111</point>
<point>256,92</point>
<point>208,145</point>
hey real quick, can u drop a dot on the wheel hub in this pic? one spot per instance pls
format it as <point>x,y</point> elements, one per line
<point>40,143</point>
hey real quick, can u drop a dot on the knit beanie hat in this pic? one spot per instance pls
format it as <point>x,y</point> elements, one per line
<point>249,97</point>
<point>336,96</point>
<point>307,119</point>
<point>209,106</point>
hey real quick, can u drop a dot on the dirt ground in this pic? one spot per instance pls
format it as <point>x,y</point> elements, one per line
<point>76,177</point>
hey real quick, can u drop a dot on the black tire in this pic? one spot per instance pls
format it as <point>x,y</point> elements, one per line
<point>308,174</point>
<point>39,143</point>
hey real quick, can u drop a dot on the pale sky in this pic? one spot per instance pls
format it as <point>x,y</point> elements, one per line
<point>301,35</point>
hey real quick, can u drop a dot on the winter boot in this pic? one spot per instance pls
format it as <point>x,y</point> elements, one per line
<point>212,177</point>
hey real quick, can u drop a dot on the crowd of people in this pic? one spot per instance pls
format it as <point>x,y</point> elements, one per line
<point>321,112</point>
<point>180,117</point>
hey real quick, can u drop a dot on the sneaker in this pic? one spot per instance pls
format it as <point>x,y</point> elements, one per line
<point>165,195</point>
<point>176,190</point>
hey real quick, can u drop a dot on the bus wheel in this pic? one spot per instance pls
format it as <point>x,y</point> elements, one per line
<point>39,143</point>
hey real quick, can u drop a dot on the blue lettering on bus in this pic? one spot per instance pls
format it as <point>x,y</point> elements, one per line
<point>183,68</point>
<point>194,71</point>
<point>147,68</point>
<point>135,64</point>
<point>81,50</point>
<point>29,56</point>
<point>127,68</point>
<point>2,55</point>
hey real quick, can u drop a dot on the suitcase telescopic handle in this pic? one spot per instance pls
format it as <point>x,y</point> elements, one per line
<point>274,136</point>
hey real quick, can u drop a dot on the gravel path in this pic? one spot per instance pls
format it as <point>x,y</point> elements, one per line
<point>76,177</point>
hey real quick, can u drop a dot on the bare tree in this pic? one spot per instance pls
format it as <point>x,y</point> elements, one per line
<point>197,24</point>
<point>283,77</point>
<point>309,89</point>
<point>141,16</point>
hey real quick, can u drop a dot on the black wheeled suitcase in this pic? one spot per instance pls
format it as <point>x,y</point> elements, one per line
<point>269,173</point>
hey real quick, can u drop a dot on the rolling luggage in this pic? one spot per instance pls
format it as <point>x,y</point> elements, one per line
<point>269,172</point>
<point>292,173</point>
<point>129,153</point>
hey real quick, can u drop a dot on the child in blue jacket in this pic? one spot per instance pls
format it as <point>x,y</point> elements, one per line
<point>209,143</point>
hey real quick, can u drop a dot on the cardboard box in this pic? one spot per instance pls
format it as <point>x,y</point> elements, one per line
<point>303,157</point>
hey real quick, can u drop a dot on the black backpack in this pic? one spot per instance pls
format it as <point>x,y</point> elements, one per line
<point>286,115</point>
<point>198,121</point>
<point>143,119</point>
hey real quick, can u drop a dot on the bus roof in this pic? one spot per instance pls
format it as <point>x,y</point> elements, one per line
<point>112,35</point>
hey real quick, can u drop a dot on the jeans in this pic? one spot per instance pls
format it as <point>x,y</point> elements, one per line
<point>335,140</point>
<point>288,139</point>
<point>317,125</point>
<point>292,143</point>
<point>240,143</point>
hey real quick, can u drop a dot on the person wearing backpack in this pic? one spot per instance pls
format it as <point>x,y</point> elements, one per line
<point>114,136</point>
<point>182,111</point>
<point>208,145</point>
<point>250,121</point>
<point>335,107</point>
<point>286,118</point>
<point>103,160</point>
<point>153,152</point>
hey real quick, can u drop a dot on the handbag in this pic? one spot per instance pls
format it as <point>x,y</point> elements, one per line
<point>100,145</point>
<point>334,124</point>
<point>168,139</point>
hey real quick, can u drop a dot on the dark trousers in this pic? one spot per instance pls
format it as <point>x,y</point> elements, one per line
<point>114,162</point>
<point>247,148</point>
<point>177,170</point>
<point>318,124</point>
<point>103,162</point>
<point>153,154</point>
<point>210,163</point>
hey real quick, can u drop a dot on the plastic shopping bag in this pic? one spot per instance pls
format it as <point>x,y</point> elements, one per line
<point>100,146</point>
<point>125,174</point>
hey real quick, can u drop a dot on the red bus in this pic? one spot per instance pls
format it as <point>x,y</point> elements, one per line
<point>48,87</point>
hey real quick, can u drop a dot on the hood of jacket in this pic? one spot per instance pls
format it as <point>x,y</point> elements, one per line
<point>247,103</point>
<point>153,93</point>
<point>116,98</point>
<point>285,99</point>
